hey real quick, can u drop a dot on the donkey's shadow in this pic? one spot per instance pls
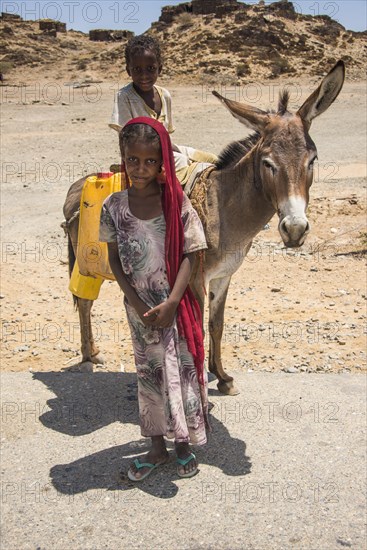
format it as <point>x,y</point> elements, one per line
<point>88,402</point>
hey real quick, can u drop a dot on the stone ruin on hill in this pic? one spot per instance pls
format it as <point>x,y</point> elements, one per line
<point>104,35</point>
<point>220,8</point>
<point>10,16</point>
<point>51,25</point>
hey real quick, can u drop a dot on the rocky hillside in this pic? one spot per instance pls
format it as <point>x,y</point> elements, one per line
<point>29,53</point>
<point>228,40</point>
<point>203,40</point>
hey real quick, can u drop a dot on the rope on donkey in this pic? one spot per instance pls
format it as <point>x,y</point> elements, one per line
<point>198,196</point>
<point>198,199</point>
<point>66,223</point>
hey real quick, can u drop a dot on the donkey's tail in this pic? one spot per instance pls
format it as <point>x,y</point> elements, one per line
<point>71,256</point>
<point>71,261</point>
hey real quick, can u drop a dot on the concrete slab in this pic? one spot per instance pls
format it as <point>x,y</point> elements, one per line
<point>284,467</point>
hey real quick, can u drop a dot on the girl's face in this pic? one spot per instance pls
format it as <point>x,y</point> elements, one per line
<point>144,70</point>
<point>143,163</point>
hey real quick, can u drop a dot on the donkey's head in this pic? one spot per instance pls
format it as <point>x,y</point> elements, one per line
<point>284,154</point>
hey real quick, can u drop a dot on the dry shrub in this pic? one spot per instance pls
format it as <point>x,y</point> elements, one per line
<point>5,67</point>
<point>279,65</point>
<point>185,20</point>
<point>242,69</point>
<point>82,64</point>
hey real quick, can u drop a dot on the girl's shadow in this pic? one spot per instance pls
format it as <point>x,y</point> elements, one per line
<point>88,402</point>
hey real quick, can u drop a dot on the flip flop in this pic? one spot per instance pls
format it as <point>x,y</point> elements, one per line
<point>139,465</point>
<point>183,462</point>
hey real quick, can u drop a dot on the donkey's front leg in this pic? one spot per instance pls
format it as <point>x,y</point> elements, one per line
<point>218,289</point>
<point>90,352</point>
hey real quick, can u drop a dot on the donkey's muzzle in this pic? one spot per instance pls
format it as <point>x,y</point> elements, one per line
<point>293,230</point>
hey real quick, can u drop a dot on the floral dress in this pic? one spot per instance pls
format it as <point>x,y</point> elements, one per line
<point>170,400</point>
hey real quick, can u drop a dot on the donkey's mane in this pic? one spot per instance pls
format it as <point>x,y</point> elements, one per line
<point>283,102</point>
<point>233,152</point>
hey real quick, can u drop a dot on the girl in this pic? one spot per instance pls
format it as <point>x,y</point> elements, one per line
<point>153,233</point>
<point>142,97</point>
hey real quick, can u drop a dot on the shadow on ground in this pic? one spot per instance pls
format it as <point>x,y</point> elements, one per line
<point>85,403</point>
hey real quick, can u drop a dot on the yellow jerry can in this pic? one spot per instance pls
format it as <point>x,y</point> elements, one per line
<point>92,266</point>
<point>84,287</point>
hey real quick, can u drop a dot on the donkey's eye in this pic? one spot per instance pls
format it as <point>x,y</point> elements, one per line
<point>269,166</point>
<point>311,163</point>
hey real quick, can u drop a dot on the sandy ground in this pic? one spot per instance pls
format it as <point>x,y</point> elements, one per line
<point>284,468</point>
<point>300,311</point>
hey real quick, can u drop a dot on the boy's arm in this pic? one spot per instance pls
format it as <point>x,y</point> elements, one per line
<point>168,100</point>
<point>122,112</point>
<point>114,260</point>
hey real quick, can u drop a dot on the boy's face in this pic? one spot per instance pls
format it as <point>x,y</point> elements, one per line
<point>144,70</point>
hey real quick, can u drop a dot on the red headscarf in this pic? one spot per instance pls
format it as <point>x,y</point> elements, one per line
<point>189,319</point>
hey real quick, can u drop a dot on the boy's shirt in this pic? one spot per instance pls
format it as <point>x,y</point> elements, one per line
<point>128,104</point>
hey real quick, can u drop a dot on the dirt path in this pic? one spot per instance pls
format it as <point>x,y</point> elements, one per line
<point>303,310</point>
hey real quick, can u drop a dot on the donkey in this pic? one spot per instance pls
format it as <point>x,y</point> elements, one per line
<point>269,172</point>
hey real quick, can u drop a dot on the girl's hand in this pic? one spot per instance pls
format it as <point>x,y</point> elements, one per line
<point>142,310</point>
<point>163,315</point>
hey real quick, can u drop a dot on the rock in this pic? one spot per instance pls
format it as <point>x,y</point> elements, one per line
<point>86,366</point>
<point>344,542</point>
<point>22,348</point>
<point>290,370</point>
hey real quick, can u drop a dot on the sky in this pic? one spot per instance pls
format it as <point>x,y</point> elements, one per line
<point>137,15</point>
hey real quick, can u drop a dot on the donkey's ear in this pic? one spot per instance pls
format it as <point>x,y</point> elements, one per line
<point>325,95</point>
<point>253,118</point>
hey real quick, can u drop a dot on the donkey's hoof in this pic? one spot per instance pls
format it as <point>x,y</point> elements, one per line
<point>227,388</point>
<point>98,359</point>
<point>85,366</point>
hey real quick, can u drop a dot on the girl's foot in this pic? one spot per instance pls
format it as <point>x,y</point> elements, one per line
<point>190,466</point>
<point>158,454</point>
